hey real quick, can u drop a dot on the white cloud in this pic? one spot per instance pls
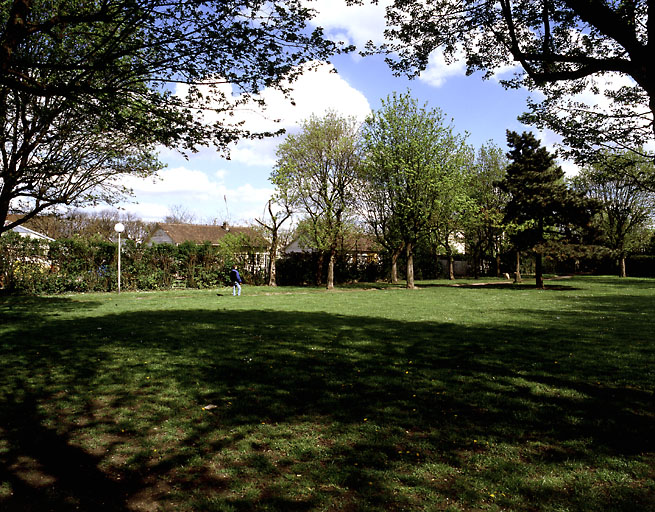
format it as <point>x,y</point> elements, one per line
<point>203,194</point>
<point>356,24</point>
<point>569,168</point>
<point>246,202</point>
<point>438,70</point>
<point>148,212</point>
<point>609,82</point>
<point>179,180</point>
<point>315,92</point>
<point>256,152</point>
<point>318,89</point>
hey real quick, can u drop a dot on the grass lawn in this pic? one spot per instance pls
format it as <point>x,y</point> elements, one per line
<point>499,397</point>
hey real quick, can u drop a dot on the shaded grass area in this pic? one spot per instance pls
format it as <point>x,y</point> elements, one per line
<point>445,398</point>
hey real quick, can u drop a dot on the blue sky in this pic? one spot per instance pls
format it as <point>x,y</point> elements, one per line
<point>210,187</point>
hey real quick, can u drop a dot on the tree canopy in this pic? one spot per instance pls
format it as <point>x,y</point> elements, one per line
<point>541,204</point>
<point>484,227</point>
<point>625,208</point>
<point>563,47</point>
<point>412,157</point>
<point>89,89</point>
<point>278,211</point>
<point>317,169</point>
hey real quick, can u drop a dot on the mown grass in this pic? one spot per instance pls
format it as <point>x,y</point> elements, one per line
<point>498,397</point>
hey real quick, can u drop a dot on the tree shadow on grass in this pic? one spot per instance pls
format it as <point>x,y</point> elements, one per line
<point>31,308</point>
<point>358,410</point>
<point>501,285</point>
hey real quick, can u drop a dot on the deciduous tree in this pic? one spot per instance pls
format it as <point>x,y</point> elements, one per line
<point>625,208</point>
<point>279,211</point>
<point>410,154</point>
<point>562,47</point>
<point>454,206</point>
<point>377,208</point>
<point>88,90</point>
<point>484,227</point>
<point>319,168</point>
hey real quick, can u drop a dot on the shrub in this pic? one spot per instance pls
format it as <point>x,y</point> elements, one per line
<point>82,264</point>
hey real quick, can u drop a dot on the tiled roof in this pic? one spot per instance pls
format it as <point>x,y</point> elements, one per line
<point>180,233</point>
<point>360,243</point>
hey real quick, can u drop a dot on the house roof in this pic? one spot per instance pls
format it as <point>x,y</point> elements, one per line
<point>25,231</point>
<point>352,242</point>
<point>361,243</point>
<point>22,230</point>
<point>180,233</point>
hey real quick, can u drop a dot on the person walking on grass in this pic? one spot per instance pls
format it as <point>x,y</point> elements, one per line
<point>236,281</point>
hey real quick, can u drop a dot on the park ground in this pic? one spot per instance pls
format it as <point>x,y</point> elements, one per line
<point>366,398</point>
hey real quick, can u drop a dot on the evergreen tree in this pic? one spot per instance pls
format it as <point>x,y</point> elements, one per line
<point>549,215</point>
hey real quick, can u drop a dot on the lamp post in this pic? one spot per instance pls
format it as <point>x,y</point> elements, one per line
<point>119,228</point>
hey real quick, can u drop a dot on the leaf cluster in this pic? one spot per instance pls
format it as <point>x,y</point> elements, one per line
<point>541,204</point>
<point>89,89</point>
<point>625,207</point>
<point>561,47</point>
<point>413,167</point>
<point>317,172</point>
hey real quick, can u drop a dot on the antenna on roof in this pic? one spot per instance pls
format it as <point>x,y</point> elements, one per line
<point>227,213</point>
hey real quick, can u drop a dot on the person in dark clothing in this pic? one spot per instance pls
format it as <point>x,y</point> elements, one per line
<point>236,280</point>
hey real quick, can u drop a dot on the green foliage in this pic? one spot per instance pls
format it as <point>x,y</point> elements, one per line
<point>625,207</point>
<point>641,265</point>
<point>300,269</point>
<point>484,227</point>
<point>564,48</point>
<point>89,89</point>
<point>544,209</point>
<point>413,172</point>
<point>85,265</point>
<point>317,170</point>
<point>23,263</point>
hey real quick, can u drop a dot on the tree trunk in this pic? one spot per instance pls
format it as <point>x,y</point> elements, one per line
<point>409,252</point>
<point>538,260</point>
<point>538,270</point>
<point>517,274</point>
<point>394,265</point>
<point>330,270</point>
<point>451,264</point>
<point>622,272</point>
<point>272,256</point>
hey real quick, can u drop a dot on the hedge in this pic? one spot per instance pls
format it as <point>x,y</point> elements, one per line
<point>81,264</point>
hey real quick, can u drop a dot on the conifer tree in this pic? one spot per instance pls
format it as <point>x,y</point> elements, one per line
<point>548,213</point>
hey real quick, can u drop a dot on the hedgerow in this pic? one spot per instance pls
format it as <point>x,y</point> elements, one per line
<point>90,264</point>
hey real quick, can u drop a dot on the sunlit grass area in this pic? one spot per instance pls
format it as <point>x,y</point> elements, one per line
<point>371,397</point>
